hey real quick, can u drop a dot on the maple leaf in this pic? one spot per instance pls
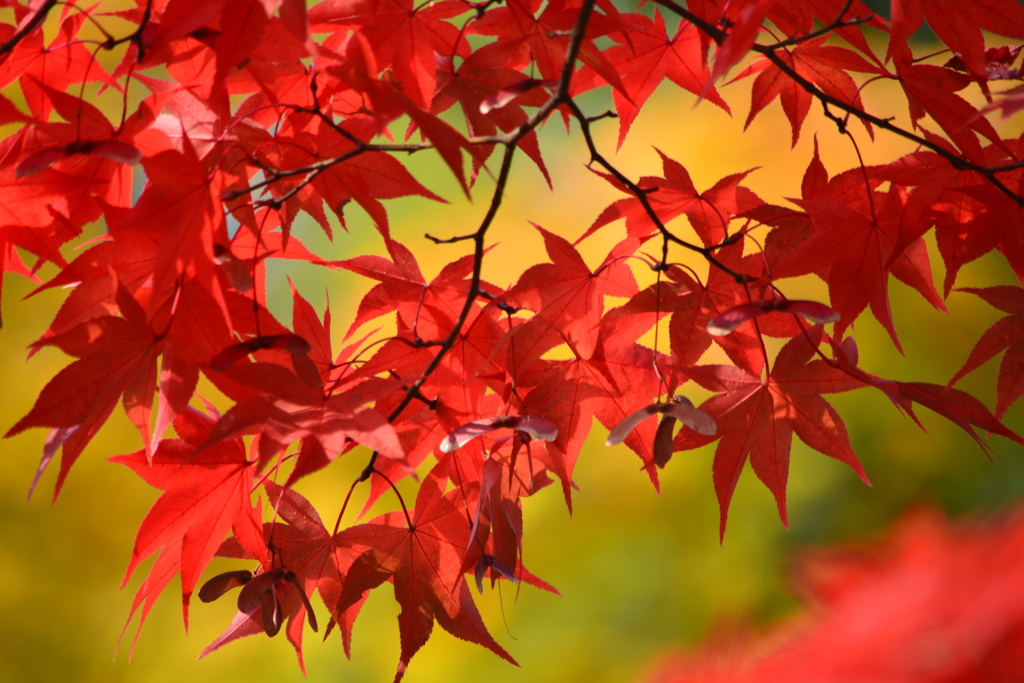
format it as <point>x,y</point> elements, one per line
<point>295,405</point>
<point>875,611</point>
<point>758,417</point>
<point>307,558</point>
<point>508,475</point>
<point>63,62</point>
<point>401,286</point>
<point>188,328</point>
<point>968,219</point>
<point>178,209</point>
<point>646,60</point>
<point>91,133</point>
<point>958,26</point>
<point>421,553</point>
<point>272,595</point>
<point>823,65</point>
<point>567,297</point>
<point>1008,334</point>
<point>206,495</point>
<point>959,407</point>
<point>476,85</point>
<point>998,66</point>
<point>405,36</point>
<point>347,174</point>
<point>305,547</point>
<point>612,383</point>
<point>543,39</point>
<point>360,70</point>
<point>856,232</point>
<point>744,28</point>
<point>1010,101</point>
<point>709,212</point>
<point>931,90</point>
<point>116,357</point>
<point>691,315</point>
<point>798,19</point>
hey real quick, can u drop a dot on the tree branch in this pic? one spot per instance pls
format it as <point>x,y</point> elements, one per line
<point>768,51</point>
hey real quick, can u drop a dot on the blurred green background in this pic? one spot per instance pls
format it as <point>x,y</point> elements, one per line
<point>638,572</point>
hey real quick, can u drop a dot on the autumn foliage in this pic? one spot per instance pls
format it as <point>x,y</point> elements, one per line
<point>238,116</point>
<point>934,601</point>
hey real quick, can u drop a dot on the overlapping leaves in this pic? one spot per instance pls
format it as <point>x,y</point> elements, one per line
<point>243,115</point>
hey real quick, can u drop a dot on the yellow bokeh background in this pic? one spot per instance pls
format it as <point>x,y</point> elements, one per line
<point>638,572</point>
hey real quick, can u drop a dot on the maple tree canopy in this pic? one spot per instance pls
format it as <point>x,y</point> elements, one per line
<point>239,116</point>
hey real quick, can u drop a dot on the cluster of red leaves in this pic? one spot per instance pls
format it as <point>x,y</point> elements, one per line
<point>934,602</point>
<point>244,114</point>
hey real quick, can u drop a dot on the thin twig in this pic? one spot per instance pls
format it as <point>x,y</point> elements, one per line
<point>29,26</point>
<point>769,52</point>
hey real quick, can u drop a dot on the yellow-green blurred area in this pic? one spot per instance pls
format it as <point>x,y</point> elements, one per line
<point>638,572</point>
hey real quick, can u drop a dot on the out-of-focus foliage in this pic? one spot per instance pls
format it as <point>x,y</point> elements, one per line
<point>934,602</point>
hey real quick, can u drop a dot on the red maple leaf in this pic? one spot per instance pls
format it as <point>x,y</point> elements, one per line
<point>1008,334</point>
<point>179,211</point>
<point>116,356</point>
<point>615,380</point>
<point>757,418</point>
<point>932,90</point>
<point>823,65</point>
<point>744,27</point>
<point>65,61</point>
<point>567,297</point>
<point>688,328</point>
<point>648,58</point>
<point>421,552</point>
<point>405,36</point>
<point>709,212</point>
<point>207,494</point>
<point>878,611</point>
<point>856,232</point>
<point>509,474</point>
<point>544,40</point>
<point>957,25</point>
<point>477,81</point>
<point>295,405</point>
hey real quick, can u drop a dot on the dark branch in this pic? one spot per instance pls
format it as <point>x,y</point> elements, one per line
<point>769,52</point>
<point>29,26</point>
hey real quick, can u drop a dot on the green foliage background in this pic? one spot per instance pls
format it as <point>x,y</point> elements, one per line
<point>638,572</point>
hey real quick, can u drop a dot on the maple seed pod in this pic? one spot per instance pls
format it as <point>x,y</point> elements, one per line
<point>663,441</point>
<point>998,63</point>
<point>111,149</point>
<point>252,595</point>
<point>294,580</point>
<point>292,343</point>
<point>537,427</point>
<point>259,592</point>
<point>729,320</point>
<point>506,95</point>
<point>849,349</point>
<point>222,583</point>
<point>490,562</point>
<point>239,274</point>
<point>680,408</point>
<point>272,616</point>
